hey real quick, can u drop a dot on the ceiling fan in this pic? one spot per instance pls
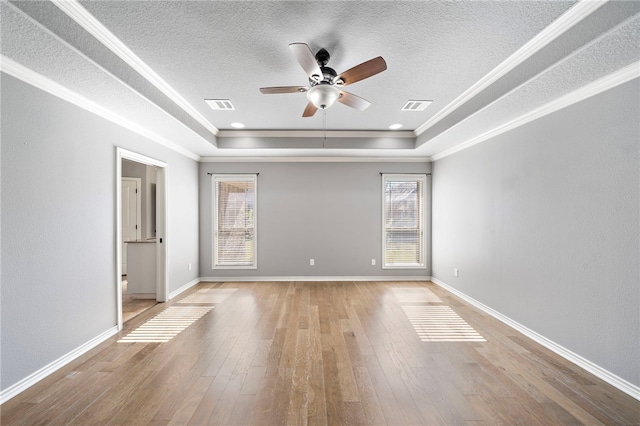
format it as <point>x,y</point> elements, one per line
<point>324,83</point>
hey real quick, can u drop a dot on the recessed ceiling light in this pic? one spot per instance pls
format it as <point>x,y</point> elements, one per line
<point>237,125</point>
<point>395,126</point>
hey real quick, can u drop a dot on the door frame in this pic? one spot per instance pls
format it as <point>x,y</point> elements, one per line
<point>162,219</point>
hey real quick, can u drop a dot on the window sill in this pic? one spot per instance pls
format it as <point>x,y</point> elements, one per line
<point>234,267</point>
<point>404,267</point>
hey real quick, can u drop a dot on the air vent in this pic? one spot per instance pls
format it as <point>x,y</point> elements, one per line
<point>415,105</point>
<point>220,104</point>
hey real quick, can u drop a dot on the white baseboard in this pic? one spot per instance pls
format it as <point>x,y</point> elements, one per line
<point>184,288</point>
<point>616,381</point>
<point>22,385</point>
<point>313,278</point>
<point>143,295</point>
<point>32,379</point>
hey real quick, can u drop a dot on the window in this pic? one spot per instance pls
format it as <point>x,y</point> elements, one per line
<point>403,221</point>
<point>234,221</point>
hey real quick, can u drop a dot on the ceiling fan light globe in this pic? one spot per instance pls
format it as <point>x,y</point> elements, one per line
<point>323,95</point>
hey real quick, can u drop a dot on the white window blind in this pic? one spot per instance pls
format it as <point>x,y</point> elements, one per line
<point>403,221</point>
<point>234,221</point>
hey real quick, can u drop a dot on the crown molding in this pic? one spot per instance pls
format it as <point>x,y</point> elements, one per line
<point>566,21</point>
<point>315,159</point>
<point>315,134</point>
<point>603,84</point>
<point>86,20</point>
<point>19,71</point>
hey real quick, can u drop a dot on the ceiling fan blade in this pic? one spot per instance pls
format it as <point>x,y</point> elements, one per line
<point>353,101</point>
<point>283,89</point>
<point>309,110</point>
<point>362,71</point>
<point>306,59</point>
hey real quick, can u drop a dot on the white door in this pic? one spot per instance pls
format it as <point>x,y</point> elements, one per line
<point>131,227</point>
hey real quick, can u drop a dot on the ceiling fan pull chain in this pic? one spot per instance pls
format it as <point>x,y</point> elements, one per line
<point>324,123</point>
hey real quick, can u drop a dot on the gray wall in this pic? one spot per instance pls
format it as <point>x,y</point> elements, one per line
<point>330,212</point>
<point>543,224</point>
<point>58,173</point>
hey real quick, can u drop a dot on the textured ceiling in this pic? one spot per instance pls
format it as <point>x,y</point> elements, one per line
<point>219,49</point>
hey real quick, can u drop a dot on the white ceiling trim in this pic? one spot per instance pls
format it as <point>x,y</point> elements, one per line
<point>315,159</point>
<point>314,134</point>
<point>99,66</point>
<point>603,84</point>
<point>566,21</point>
<point>19,71</point>
<point>87,21</point>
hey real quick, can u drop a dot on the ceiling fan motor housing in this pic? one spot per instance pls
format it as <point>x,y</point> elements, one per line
<point>328,74</point>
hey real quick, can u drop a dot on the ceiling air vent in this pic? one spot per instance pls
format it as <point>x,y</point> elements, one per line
<point>220,104</point>
<point>415,105</point>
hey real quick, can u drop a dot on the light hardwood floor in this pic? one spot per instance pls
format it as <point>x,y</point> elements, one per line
<point>322,353</point>
<point>131,306</point>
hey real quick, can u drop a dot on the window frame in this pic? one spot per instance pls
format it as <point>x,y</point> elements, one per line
<point>226,177</point>
<point>422,228</point>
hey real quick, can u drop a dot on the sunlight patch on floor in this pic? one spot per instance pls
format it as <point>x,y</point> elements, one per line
<point>415,295</point>
<point>208,295</point>
<point>440,324</point>
<point>167,324</point>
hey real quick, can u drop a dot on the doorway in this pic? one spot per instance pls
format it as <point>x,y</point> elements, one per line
<point>145,256</point>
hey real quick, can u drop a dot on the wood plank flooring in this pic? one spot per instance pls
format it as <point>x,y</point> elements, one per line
<point>322,353</point>
<point>131,306</point>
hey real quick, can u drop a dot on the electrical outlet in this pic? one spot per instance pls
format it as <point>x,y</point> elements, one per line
<point>373,262</point>
<point>189,266</point>
<point>456,273</point>
<point>312,262</point>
